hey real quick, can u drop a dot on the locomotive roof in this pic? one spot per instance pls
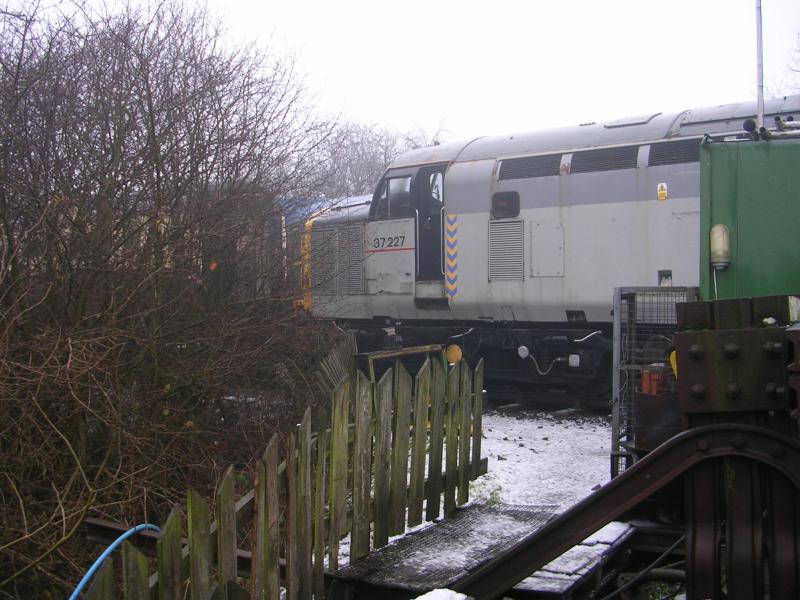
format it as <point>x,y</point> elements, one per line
<point>344,210</point>
<point>716,119</point>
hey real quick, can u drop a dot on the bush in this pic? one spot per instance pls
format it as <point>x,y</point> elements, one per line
<point>146,332</point>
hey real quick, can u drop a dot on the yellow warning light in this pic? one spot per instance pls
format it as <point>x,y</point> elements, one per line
<point>661,190</point>
<point>454,353</point>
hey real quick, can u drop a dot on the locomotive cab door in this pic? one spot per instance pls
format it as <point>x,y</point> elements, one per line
<point>407,213</point>
<point>429,204</point>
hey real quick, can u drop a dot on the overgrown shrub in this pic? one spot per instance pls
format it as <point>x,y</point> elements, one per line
<point>147,338</point>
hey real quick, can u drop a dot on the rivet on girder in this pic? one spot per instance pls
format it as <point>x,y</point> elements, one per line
<point>738,442</point>
<point>696,352</point>
<point>702,445</point>
<point>733,391</point>
<point>730,350</point>
<point>773,348</point>
<point>698,391</point>
<point>771,390</point>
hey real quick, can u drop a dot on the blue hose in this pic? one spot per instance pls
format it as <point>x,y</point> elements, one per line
<point>99,562</point>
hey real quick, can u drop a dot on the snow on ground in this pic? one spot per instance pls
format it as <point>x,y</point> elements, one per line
<point>537,458</point>
<point>543,458</point>
<point>442,595</point>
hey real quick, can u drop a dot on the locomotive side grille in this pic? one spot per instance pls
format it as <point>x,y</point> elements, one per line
<point>673,153</point>
<point>323,260</point>
<point>351,260</point>
<point>530,166</point>
<point>604,159</point>
<point>506,250</point>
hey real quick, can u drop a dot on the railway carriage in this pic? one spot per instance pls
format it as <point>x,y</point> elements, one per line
<point>510,247</point>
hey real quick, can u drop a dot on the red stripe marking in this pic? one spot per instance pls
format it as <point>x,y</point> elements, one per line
<point>388,250</point>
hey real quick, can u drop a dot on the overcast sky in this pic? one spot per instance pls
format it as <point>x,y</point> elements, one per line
<point>499,66</point>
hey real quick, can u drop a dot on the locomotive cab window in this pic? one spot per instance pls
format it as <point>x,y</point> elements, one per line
<point>505,205</point>
<point>394,199</point>
<point>433,196</point>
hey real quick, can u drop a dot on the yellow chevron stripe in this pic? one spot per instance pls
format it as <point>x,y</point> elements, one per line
<point>451,239</point>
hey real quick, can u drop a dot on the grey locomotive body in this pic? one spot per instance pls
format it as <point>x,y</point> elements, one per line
<point>503,242</point>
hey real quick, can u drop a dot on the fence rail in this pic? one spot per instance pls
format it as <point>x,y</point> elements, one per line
<point>397,449</point>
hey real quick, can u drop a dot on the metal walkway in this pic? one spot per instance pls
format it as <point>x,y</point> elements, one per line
<point>442,554</point>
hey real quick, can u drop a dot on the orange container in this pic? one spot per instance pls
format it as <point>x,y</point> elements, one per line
<point>654,380</point>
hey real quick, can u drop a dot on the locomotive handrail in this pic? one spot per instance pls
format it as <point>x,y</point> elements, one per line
<point>416,238</point>
<point>442,227</point>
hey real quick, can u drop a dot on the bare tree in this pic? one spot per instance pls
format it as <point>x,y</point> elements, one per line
<point>794,67</point>
<point>355,156</point>
<point>143,314</point>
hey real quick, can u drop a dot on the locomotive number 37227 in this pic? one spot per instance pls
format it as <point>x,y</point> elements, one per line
<point>396,241</point>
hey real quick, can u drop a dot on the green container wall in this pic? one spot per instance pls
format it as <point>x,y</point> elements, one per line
<point>754,189</point>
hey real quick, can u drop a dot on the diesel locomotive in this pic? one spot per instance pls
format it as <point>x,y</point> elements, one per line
<point>509,247</point>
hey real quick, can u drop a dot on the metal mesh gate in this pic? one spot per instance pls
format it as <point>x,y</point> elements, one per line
<point>644,321</point>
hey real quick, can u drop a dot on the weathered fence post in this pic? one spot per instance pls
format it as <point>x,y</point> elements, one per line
<point>465,421</point>
<point>169,552</point>
<point>290,518</point>
<point>383,442</point>
<point>338,479</point>
<point>451,424</point>
<point>304,501</point>
<point>422,400</point>
<point>397,501</point>
<point>102,587</point>
<point>226,533</point>
<point>438,403</point>
<point>477,417</point>
<point>320,485</point>
<point>362,467</point>
<point>199,546</point>
<point>265,573</point>
<point>134,573</point>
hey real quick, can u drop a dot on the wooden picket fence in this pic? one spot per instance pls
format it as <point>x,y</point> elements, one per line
<point>399,450</point>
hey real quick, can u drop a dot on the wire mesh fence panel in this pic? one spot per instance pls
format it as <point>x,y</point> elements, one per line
<point>645,319</point>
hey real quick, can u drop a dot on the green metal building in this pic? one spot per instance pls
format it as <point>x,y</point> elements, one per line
<point>753,188</point>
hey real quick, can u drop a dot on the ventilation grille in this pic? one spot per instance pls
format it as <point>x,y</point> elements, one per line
<point>323,261</point>
<point>604,159</point>
<point>506,250</point>
<point>530,166</point>
<point>351,260</point>
<point>673,153</point>
<point>337,262</point>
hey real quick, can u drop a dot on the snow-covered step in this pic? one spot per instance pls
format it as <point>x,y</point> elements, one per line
<point>560,577</point>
